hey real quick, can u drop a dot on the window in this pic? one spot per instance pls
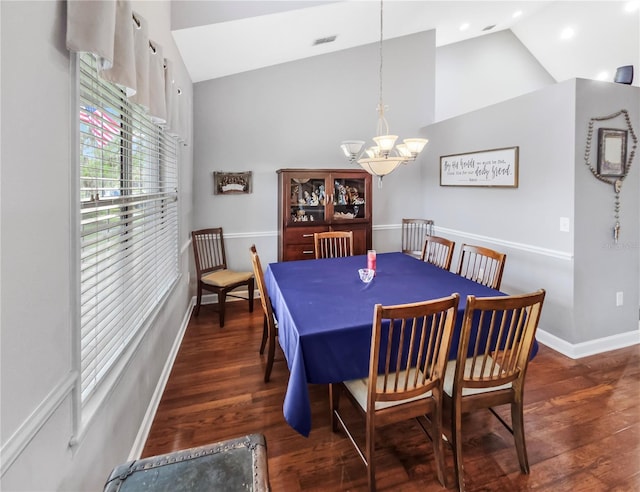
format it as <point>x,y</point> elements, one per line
<point>128,222</point>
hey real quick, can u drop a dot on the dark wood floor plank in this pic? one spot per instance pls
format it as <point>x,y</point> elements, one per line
<point>581,419</point>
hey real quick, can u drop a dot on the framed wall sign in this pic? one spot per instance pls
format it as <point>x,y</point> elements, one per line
<point>612,152</point>
<point>231,183</point>
<point>496,168</point>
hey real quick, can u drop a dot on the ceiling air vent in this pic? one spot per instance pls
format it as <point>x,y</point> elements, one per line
<point>488,28</point>
<point>328,39</point>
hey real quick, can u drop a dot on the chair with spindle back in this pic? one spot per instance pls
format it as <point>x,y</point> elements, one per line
<point>414,232</point>
<point>495,345</point>
<point>333,244</point>
<point>482,265</point>
<point>212,273</point>
<point>438,251</point>
<point>270,328</point>
<point>402,384</point>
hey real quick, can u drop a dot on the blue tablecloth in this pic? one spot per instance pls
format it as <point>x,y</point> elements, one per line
<point>325,314</point>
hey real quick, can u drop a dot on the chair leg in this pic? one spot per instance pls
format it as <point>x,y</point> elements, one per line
<point>369,451</point>
<point>265,329</point>
<point>270,356</point>
<point>196,311</point>
<point>436,437</point>
<point>222,297</point>
<point>334,401</point>
<point>456,434</point>
<point>517,422</point>
<point>251,287</point>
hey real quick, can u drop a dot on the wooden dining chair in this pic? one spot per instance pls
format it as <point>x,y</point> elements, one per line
<point>414,232</point>
<point>438,251</point>
<point>401,387</point>
<point>490,369</point>
<point>482,265</point>
<point>270,327</point>
<point>333,244</point>
<point>212,272</point>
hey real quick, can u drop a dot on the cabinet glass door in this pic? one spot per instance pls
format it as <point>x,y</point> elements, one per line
<point>349,198</point>
<point>308,199</point>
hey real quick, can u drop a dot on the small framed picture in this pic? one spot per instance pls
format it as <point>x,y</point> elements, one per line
<point>612,152</point>
<point>232,183</point>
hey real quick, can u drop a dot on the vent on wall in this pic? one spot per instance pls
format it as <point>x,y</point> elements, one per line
<point>328,39</point>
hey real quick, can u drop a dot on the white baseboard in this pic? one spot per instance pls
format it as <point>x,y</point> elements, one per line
<point>591,347</point>
<point>145,426</point>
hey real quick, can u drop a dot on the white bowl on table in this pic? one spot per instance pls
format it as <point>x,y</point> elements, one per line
<point>366,274</point>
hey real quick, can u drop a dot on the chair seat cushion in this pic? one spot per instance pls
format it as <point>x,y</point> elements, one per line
<point>450,374</point>
<point>358,388</point>
<point>224,278</point>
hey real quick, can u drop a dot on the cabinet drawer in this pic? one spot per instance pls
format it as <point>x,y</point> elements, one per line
<point>302,235</point>
<point>299,252</point>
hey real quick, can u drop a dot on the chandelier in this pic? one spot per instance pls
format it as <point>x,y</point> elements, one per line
<point>384,157</point>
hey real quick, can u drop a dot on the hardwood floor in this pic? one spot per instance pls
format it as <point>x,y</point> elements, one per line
<point>582,420</point>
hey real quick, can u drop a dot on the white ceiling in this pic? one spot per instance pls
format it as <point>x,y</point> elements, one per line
<point>220,38</point>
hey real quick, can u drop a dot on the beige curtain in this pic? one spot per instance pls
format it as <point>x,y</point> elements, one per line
<point>171,93</point>
<point>123,70</point>
<point>141,51</point>
<point>157,101</point>
<point>91,27</point>
<point>118,38</point>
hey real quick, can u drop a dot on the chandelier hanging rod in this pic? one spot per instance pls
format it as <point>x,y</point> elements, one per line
<point>385,156</point>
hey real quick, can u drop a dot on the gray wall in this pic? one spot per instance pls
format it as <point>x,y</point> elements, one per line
<point>295,115</point>
<point>603,267</point>
<point>252,121</point>
<point>543,123</point>
<point>486,70</point>
<point>581,269</point>
<point>524,221</point>
<point>38,267</point>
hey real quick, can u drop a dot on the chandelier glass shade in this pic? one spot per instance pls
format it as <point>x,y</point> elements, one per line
<point>385,156</point>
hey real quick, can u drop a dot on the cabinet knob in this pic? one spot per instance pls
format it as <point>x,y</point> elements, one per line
<point>308,252</point>
<point>307,235</point>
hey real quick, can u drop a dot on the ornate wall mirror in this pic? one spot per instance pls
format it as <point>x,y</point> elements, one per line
<point>612,152</point>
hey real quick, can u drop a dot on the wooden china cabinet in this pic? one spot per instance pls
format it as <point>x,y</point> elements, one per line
<point>319,200</point>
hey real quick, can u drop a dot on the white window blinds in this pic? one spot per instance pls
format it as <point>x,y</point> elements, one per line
<point>128,222</point>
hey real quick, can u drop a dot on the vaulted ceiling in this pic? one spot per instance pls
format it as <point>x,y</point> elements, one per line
<point>220,38</point>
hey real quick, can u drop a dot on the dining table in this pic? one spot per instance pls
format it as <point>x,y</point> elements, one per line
<point>325,316</point>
